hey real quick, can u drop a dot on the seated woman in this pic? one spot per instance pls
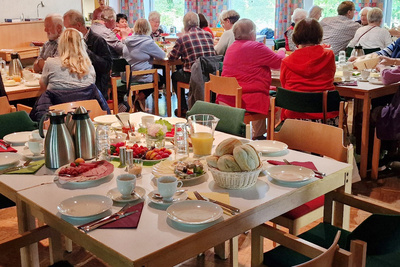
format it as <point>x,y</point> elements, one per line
<point>228,19</point>
<point>122,27</point>
<point>69,77</point>
<point>310,68</point>
<point>298,14</point>
<point>204,24</point>
<point>140,50</point>
<point>154,19</point>
<point>254,74</point>
<point>372,35</point>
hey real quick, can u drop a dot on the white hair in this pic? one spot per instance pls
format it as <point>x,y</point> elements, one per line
<point>299,14</point>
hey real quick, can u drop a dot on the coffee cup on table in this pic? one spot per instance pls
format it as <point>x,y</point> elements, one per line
<point>126,183</point>
<point>347,75</point>
<point>35,146</point>
<point>167,186</point>
<point>365,74</point>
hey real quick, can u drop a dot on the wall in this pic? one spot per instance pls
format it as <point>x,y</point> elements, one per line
<point>14,8</point>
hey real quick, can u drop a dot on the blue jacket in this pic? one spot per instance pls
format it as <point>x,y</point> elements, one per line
<point>55,97</point>
<point>393,50</point>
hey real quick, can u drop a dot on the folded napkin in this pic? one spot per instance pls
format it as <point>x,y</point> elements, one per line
<point>221,197</point>
<point>306,164</point>
<point>9,148</point>
<point>32,168</point>
<point>130,221</point>
<point>351,83</point>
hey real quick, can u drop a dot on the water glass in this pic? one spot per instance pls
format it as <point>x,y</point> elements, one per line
<point>342,57</point>
<point>181,143</point>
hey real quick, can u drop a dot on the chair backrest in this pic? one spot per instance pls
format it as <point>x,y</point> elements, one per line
<point>326,258</point>
<point>225,86</point>
<point>279,43</point>
<point>5,106</point>
<point>118,65</point>
<point>231,124</point>
<point>90,105</point>
<point>16,122</point>
<point>314,137</point>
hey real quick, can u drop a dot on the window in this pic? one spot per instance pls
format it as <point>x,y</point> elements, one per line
<point>172,12</point>
<point>329,9</point>
<point>395,14</point>
<point>261,12</point>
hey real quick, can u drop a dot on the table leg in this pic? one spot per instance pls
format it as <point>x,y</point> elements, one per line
<point>168,87</point>
<point>234,251</point>
<point>365,136</point>
<point>257,244</point>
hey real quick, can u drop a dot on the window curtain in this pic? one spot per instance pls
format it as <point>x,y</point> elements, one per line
<point>133,9</point>
<point>283,13</point>
<point>360,4</point>
<point>209,8</point>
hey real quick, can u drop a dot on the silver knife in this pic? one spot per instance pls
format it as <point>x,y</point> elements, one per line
<point>89,228</point>
<point>3,146</point>
<point>10,169</point>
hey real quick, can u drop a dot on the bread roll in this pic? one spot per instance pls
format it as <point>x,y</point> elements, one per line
<point>246,157</point>
<point>227,146</point>
<point>212,161</point>
<point>227,163</point>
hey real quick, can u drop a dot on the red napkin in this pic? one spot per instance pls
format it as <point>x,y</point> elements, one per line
<point>171,133</point>
<point>130,221</point>
<point>306,164</point>
<point>9,148</point>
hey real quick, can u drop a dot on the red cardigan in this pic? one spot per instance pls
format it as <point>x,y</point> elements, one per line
<point>309,69</point>
<point>250,62</point>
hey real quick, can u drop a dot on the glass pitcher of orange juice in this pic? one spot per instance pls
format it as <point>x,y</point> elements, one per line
<point>202,127</point>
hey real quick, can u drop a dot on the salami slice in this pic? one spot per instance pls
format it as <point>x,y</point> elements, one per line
<point>86,171</point>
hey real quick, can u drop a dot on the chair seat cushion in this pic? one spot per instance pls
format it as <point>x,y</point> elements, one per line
<point>323,235</point>
<point>305,208</point>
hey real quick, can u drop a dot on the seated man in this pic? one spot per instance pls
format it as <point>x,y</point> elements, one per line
<point>53,26</point>
<point>104,28</point>
<point>97,49</point>
<point>191,45</point>
<point>339,30</point>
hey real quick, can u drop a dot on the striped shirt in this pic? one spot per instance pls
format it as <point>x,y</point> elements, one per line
<point>49,49</point>
<point>192,45</point>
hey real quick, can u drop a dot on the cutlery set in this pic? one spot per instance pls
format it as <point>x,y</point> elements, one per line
<point>15,168</point>
<point>87,227</point>
<point>4,145</point>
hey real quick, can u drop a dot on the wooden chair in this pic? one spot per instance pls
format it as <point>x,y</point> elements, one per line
<point>90,105</point>
<point>136,87</point>
<point>229,86</point>
<point>180,86</point>
<point>279,43</point>
<point>321,139</point>
<point>375,242</point>
<point>5,106</point>
<point>118,66</point>
<point>304,102</point>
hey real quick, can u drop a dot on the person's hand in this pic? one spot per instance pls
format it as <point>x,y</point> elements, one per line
<point>386,61</point>
<point>380,67</point>
<point>352,58</point>
<point>394,32</point>
<point>38,65</point>
<point>282,49</point>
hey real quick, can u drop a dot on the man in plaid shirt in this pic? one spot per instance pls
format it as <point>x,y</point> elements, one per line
<point>191,45</point>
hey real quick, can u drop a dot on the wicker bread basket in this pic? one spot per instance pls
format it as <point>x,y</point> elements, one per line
<point>235,180</point>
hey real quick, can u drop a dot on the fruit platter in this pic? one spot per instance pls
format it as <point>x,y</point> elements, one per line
<point>149,156</point>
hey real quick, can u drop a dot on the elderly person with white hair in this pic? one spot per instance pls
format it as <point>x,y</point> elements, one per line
<point>53,26</point>
<point>228,19</point>
<point>315,12</point>
<point>104,28</point>
<point>363,16</point>
<point>154,19</point>
<point>372,35</point>
<point>250,62</point>
<point>140,50</point>
<point>298,14</point>
<point>194,43</point>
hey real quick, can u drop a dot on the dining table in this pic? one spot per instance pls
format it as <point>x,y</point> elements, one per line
<point>23,91</point>
<point>168,66</point>
<point>362,93</point>
<point>159,240</point>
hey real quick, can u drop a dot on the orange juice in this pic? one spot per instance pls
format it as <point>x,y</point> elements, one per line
<point>202,143</point>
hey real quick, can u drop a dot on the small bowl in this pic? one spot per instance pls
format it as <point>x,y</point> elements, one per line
<point>117,139</point>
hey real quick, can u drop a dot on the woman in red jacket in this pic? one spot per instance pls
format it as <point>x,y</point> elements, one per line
<point>311,68</point>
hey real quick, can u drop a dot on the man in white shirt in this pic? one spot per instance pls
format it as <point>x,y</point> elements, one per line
<point>339,30</point>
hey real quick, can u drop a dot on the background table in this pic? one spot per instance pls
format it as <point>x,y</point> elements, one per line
<point>22,91</point>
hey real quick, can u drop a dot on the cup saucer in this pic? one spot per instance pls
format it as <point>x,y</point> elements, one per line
<point>175,198</point>
<point>115,195</point>
<point>362,80</point>
<point>29,155</point>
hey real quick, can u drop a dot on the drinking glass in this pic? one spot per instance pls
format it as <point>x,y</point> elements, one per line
<point>181,144</point>
<point>202,127</point>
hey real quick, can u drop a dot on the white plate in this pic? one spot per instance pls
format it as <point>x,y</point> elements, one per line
<point>29,155</point>
<point>106,119</point>
<point>19,138</point>
<point>85,205</point>
<point>6,84</point>
<point>268,146</point>
<point>32,83</point>
<point>290,173</point>
<point>8,159</point>
<point>175,198</point>
<point>115,195</point>
<point>194,212</point>
<point>362,80</point>
<point>375,81</point>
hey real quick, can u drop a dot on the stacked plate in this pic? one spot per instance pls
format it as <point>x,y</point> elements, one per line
<point>290,173</point>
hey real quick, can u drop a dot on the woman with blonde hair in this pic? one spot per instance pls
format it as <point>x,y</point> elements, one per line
<point>140,50</point>
<point>73,68</point>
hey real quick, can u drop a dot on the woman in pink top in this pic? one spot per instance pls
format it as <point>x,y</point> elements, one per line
<point>250,62</point>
